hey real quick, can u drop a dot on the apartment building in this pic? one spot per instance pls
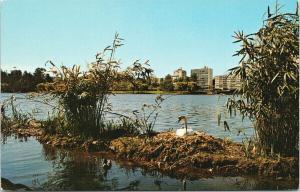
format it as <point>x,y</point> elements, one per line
<point>225,82</point>
<point>179,74</point>
<point>220,82</point>
<point>204,77</point>
<point>233,82</point>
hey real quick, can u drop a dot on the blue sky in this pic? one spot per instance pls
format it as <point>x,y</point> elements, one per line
<point>170,33</point>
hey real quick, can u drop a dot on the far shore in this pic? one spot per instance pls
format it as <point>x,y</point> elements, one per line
<point>158,92</point>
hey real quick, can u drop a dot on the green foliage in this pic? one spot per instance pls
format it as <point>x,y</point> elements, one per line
<point>17,115</point>
<point>120,127</point>
<point>167,84</point>
<point>16,81</point>
<point>192,87</point>
<point>56,123</point>
<point>139,75</point>
<point>194,77</point>
<point>269,71</point>
<point>181,86</point>
<point>146,118</point>
<point>186,86</point>
<point>84,94</point>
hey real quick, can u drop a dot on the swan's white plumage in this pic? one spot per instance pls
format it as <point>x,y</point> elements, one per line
<point>181,132</point>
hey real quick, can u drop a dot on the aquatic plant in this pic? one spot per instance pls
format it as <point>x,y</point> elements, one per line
<point>119,127</point>
<point>55,123</point>
<point>145,118</point>
<point>246,147</point>
<point>17,115</point>
<point>269,72</point>
<point>84,94</point>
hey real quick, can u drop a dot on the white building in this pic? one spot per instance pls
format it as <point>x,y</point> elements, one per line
<point>204,77</point>
<point>179,74</point>
<point>233,82</point>
<point>225,82</point>
<point>220,82</point>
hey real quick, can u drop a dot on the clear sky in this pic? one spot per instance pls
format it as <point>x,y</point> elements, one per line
<point>170,33</point>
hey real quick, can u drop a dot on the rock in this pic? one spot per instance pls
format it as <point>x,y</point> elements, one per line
<point>95,142</point>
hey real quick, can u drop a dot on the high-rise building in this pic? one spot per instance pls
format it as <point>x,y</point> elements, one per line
<point>179,74</point>
<point>220,82</point>
<point>225,82</point>
<point>233,82</point>
<point>204,77</point>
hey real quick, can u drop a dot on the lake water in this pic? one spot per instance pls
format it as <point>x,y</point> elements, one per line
<point>42,167</point>
<point>201,111</point>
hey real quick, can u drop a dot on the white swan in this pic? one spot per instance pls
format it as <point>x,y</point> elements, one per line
<point>106,164</point>
<point>183,131</point>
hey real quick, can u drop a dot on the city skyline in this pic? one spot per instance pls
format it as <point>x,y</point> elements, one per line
<point>170,34</point>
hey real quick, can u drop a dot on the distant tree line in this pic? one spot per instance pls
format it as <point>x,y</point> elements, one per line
<point>18,81</point>
<point>138,77</point>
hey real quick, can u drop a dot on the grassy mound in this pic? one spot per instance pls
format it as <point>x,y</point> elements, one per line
<point>194,156</point>
<point>199,155</point>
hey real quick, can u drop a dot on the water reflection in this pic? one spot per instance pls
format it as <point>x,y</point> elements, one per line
<point>76,170</point>
<point>42,167</point>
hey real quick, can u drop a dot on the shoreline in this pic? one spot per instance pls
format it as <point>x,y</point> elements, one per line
<point>146,93</point>
<point>190,157</point>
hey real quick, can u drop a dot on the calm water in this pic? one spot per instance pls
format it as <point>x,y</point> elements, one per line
<point>201,111</point>
<point>43,167</point>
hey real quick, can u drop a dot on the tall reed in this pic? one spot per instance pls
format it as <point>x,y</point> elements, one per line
<point>269,71</point>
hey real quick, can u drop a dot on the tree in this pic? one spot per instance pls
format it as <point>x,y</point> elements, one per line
<point>14,81</point>
<point>18,81</point>
<point>39,75</point>
<point>194,77</point>
<point>181,86</point>
<point>167,84</point>
<point>192,87</point>
<point>269,71</point>
<point>27,82</point>
<point>139,74</point>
